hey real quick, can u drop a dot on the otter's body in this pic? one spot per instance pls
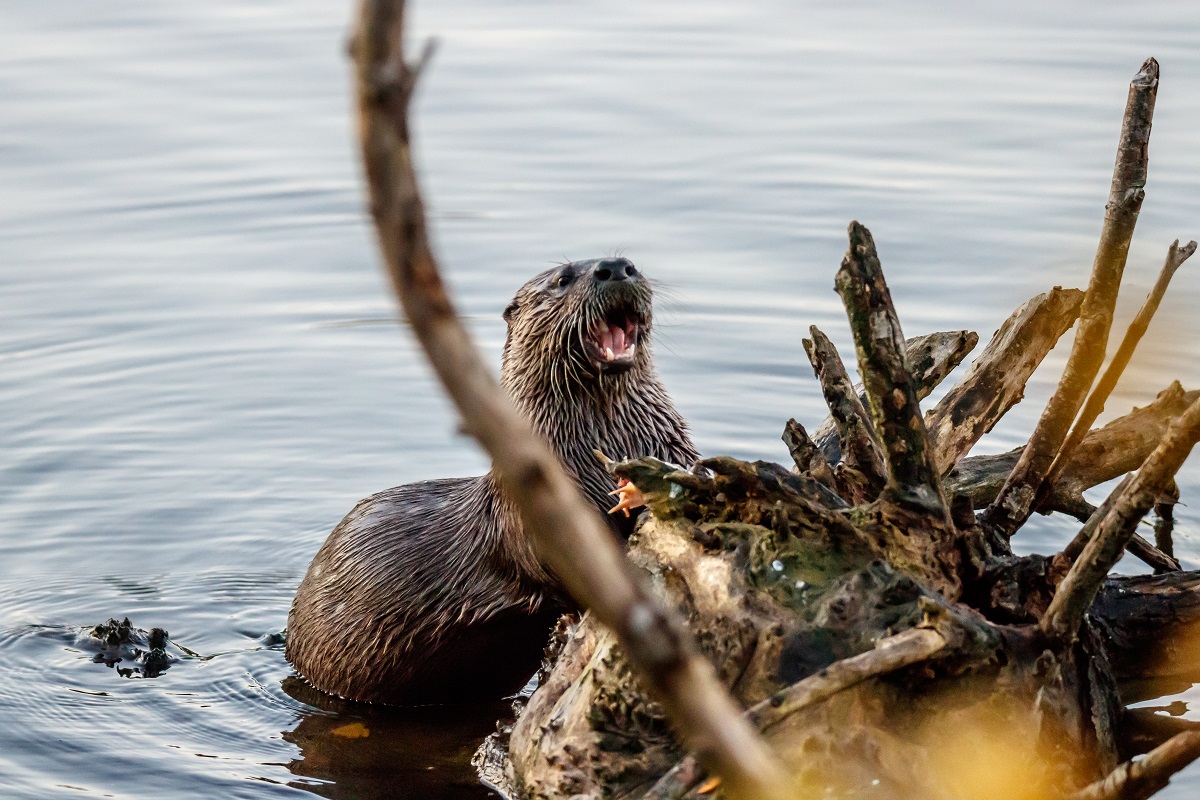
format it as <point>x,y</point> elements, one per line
<point>430,591</point>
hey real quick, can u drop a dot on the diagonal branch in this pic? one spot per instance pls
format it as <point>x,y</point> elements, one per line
<point>895,652</point>
<point>1015,502</point>
<point>1176,255</point>
<point>1137,545</point>
<point>995,381</point>
<point>1137,780</point>
<point>891,395</point>
<point>561,523</point>
<point>1112,533</point>
<point>1106,453</point>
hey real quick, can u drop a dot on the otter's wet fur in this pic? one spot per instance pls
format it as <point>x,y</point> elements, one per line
<point>430,592</point>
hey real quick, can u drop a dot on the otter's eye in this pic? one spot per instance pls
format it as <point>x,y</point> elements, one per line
<point>564,279</point>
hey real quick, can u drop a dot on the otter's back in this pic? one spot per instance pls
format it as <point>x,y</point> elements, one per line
<point>409,594</point>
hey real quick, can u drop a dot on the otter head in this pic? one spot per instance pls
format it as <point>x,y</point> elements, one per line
<point>573,325</point>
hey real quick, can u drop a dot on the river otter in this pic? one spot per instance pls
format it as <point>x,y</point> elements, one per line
<point>430,592</point>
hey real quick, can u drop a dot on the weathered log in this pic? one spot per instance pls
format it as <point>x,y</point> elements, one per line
<point>1015,501</point>
<point>1151,625</point>
<point>785,584</point>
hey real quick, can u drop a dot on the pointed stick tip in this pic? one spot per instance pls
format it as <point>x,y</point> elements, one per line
<point>1148,74</point>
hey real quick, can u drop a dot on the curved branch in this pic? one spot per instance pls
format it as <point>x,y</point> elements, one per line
<point>1106,453</point>
<point>561,523</point>
<point>1015,501</point>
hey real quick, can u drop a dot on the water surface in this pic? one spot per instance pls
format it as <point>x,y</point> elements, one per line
<point>200,368</point>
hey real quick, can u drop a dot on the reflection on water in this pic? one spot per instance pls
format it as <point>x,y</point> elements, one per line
<point>199,376</point>
<point>371,751</point>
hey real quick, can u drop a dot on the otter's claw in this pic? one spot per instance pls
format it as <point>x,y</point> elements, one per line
<point>629,497</point>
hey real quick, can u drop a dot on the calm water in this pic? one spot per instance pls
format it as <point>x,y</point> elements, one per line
<point>200,370</point>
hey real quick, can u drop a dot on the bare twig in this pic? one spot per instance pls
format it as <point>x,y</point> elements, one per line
<point>1015,502</point>
<point>1127,506</point>
<point>1151,555</point>
<point>1137,780</point>
<point>562,524</point>
<point>1164,522</point>
<point>995,381</point>
<point>1176,255</point>
<point>881,362</point>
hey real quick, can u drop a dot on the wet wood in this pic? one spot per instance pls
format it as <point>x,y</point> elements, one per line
<point>1151,625</point>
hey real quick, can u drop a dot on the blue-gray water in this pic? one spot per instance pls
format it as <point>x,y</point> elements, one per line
<point>199,367</point>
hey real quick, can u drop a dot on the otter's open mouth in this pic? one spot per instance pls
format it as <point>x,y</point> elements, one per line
<point>612,343</point>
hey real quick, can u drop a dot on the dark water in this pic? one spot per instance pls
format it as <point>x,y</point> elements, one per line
<point>200,370</point>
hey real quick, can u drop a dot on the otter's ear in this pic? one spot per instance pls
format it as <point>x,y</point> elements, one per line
<point>512,309</point>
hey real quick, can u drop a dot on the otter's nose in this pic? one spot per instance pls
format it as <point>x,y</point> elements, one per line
<point>614,269</point>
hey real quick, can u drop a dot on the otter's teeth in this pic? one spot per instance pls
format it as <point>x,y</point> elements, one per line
<point>608,354</point>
